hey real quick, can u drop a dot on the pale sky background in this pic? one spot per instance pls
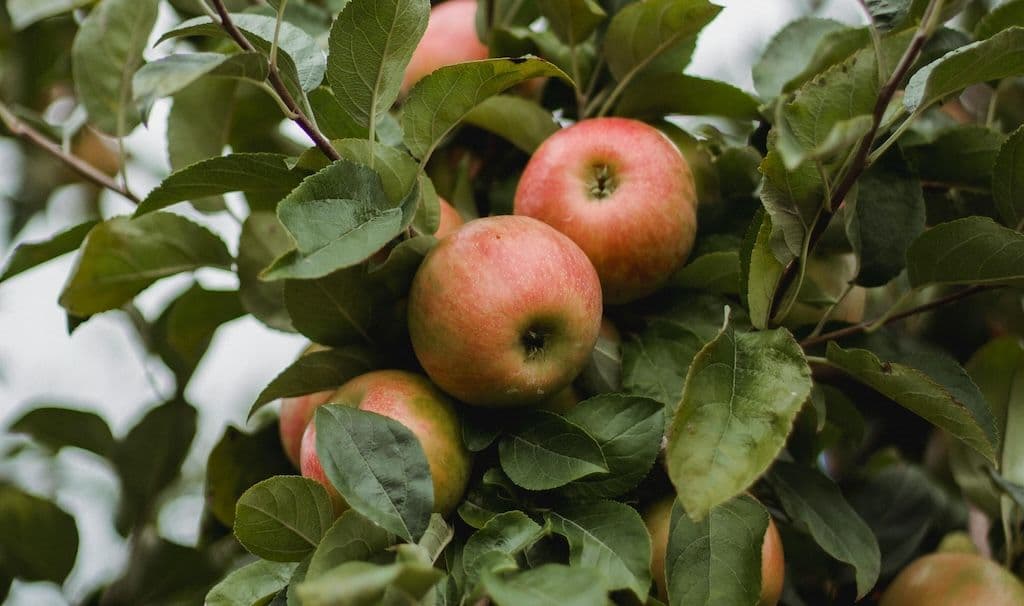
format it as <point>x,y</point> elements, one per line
<point>103,368</point>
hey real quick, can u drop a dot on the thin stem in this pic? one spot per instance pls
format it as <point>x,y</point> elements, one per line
<point>893,138</point>
<point>873,324</point>
<point>277,34</point>
<point>24,131</point>
<point>876,41</point>
<point>274,76</point>
<point>831,310</point>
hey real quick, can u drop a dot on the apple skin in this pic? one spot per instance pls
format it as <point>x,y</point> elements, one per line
<point>624,193</point>
<point>417,404</point>
<point>296,413</point>
<point>450,38</point>
<point>504,312</point>
<point>658,518</point>
<point>450,219</point>
<point>954,579</point>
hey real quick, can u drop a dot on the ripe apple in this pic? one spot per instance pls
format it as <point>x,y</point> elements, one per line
<point>504,312</point>
<point>417,404</point>
<point>623,192</point>
<point>297,412</point>
<point>658,517</point>
<point>954,579</point>
<point>450,38</point>
<point>450,219</point>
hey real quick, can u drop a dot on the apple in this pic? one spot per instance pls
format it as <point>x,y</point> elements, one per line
<point>562,402</point>
<point>450,38</point>
<point>623,192</point>
<point>504,312</point>
<point>658,517</point>
<point>954,579</point>
<point>450,219</point>
<point>417,404</point>
<point>297,412</point>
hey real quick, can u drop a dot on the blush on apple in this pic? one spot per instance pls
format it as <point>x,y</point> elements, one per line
<point>450,38</point>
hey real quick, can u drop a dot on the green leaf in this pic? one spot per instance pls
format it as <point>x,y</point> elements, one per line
<point>338,218</point>
<point>1008,179</point>
<point>522,122</point>
<point>656,95</point>
<point>371,44</point>
<point>379,467</point>
<point>106,52</point>
<point>237,462</point>
<point>716,272</point>
<point>253,583</point>
<point>39,541</point>
<point>843,136</point>
<point>184,331</point>
<point>149,458</point>
<point>603,373</point>
<point>331,117</point>
<point>975,250</point>
<point>171,74</point>
<point>441,100</point>
<point>888,14</point>
<point>992,59</point>
<point>548,585</point>
<point>655,35</point>
<point>316,371</point>
<point>505,534</point>
<point>815,505</point>
<point>717,560</point>
<point>437,537</point>
<point>742,394</point>
<point>572,20</point>
<point>1004,16</point>
<point>764,272</point>
<point>628,429</point>
<point>263,239</point>
<point>31,254</point>
<point>611,538</point>
<point>956,410</point>
<point>365,584</point>
<point>57,428</point>
<point>122,257</point>
<point>199,127</point>
<point>788,54</point>
<point>283,518</point>
<point>258,173</point>
<point>24,13</point>
<point>545,451</point>
<point>352,538</point>
<point>348,307</point>
<point>961,156</point>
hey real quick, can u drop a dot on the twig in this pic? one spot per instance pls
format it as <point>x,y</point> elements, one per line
<point>274,76</point>
<point>860,161</point>
<point>867,325</point>
<point>22,130</point>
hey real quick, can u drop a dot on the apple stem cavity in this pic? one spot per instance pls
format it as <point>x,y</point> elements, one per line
<point>604,183</point>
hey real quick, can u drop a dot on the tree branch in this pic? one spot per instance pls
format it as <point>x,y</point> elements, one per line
<point>23,131</point>
<point>860,161</point>
<point>865,326</point>
<point>274,76</point>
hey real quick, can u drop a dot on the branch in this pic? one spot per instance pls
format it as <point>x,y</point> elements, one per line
<point>274,76</point>
<point>860,161</point>
<point>867,326</point>
<point>23,131</point>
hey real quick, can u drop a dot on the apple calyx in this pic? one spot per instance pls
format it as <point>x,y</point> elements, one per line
<point>602,182</point>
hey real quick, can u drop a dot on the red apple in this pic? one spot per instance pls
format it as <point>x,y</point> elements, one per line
<point>623,192</point>
<point>504,312</point>
<point>450,38</point>
<point>450,219</point>
<point>297,412</point>
<point>954,579</point>
<point>417,404</point>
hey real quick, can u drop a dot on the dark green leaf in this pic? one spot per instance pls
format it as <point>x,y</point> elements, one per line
<point>31,254</point>
<point>253,583</point>
<point>522,122</point>
<point>316,371</point>
<point>716,272</point>
<point>199,126</point>
<point>283,518</point>
<point>545,451</point>
<point>962,156</point>
<point>572,20</point>
<point>975,250</point>
<point>238,461</point>
<point>57,428</point>
<point>352,538</point>
<point>365,584</point>
<point>789,52</point>
<point>39,541</point>
<point>656,95</point>
<point>1008,179</point>
<point>347,307</point>
<point>505,534</point>
<point>184,331</point>
<point>263,239</point>
<point>331,117</point>
<point>1004,16</point>
<point>548,585</point>
<point>173,73</point>
<point>765,269</point>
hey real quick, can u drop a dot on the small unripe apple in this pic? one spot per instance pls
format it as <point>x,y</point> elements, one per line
<point>504,312</point>
<point>417,404</point>
<point>954,579</point>
<point>450,38</point>
<point>450,219</point>
<point>623,192</point>
<point>658,518</point>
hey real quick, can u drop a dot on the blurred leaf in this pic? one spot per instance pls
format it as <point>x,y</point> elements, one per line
<point>31,254</point>
<point>351,538</point>
<point>365,584</point>
<point>263,239</point>
<point>1008,178</point>
<point>788,54</point>
<point>506,534</point>
<point>238,461</point>
<point>173,73</point>
<point>379,467</point>
<point>951,407</point>
<point>251,173</point>
<point>24,13</point>
<point>656,95</point>
<point>251,584</point>
<point>149,458</point>
<point>1014,491</point>
<point>975,250</point>
<point>545,451</point>
<point>717,560</point>
<point>716,272</point>
<point>889,14</point>
<point>961,156</point>
<point>199,127</point>
<point>316,371</point>
<point>547,585</point>
<point>572,20</point>
<point>992,59</point>
<point>1004,16</point>
<point>611,538</point>
<point>106,52</point>
<point>371,44</point>
<point>39,541</point>
<point>283,518</point>
<point>57,428</point>
<point>742,393</point>
<point>185,329</point>
<point>603,373</point>
<point>815,505</point>
<point>628,429</point>
<point>443,99</point>
<point>522,122</point>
